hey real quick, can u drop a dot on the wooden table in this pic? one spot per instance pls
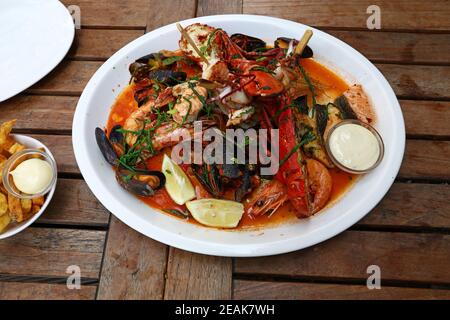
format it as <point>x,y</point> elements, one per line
<point>407,234</point>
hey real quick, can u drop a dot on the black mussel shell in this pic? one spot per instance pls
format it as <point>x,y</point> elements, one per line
<point>247,43</point>
<point>142,182</point>
<point>301,103</point>
<point>344,107</point>
<point>148,58</point>
<point>139,70</point>
<point>283,42</point>
<point>244,188</point>
<point>105,147</point>
<point>116,136</point>
<point>321,113</point>
<point>168,77</point>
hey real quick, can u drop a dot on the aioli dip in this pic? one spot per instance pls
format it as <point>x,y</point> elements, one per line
<point>354,146</point>
<point>32,176</point>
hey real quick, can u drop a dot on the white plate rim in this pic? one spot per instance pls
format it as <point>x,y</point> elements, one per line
<point>56,61</point>
<point>193,245</point>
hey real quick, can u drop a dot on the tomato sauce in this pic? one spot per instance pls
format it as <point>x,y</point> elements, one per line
<point>342,181</point>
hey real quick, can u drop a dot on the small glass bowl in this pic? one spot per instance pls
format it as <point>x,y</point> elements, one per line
<point>365,125</point>
<point>18,158</point>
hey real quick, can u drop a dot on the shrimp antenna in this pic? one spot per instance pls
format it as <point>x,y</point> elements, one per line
<point>303,41</point>
<point>188,38</point>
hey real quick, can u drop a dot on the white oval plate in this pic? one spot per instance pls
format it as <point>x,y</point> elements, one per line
<point>35,36</point>
<point>15,228</point>
<point>101,91</point>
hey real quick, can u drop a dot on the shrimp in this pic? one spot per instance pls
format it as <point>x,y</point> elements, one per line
<point>189,102</point>
<point>266,198</point>
<point>319,183</point>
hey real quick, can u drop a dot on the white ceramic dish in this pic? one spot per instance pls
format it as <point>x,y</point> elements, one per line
<point>101,91</point>
<point>15,228</point>
<point>35,36</point>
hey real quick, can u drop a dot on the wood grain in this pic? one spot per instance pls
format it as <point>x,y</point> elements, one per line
<point>399,14</point>
<point>430,118</point>
<point>100,44</point>
<point>48,252</point>
<point>165,12</point>
<point>404,47</point>
<point>258,290</point>
<point>426,159</point>
<point>39,112</point>
<point>112,13</point>
<point>196,276</point>
<point>412,205</point>
<point>68,78</point>
<point>44,291</point>
<point>74,204</point>
<point>212,7</point>
<point>133,266</point>
<point>401,256</point>
<point>413,81</point>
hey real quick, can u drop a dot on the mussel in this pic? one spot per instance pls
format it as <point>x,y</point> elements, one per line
<point>247,43</point>
<point>142,183</point>
<point>106,147</point>
<point>168,77</point>
<point>344,107</point>
<point>283,43</point>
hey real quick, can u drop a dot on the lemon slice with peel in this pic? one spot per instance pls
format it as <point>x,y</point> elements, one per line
<point>216,213</point>
<point>178,185</point>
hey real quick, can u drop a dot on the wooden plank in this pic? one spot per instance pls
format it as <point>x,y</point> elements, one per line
<point>415,14</point>
<point>196,276</point>
<point>400,256</point>
<point>44,251</point>
<point>133,266</point>
<point>430,118</point>
<point>165,12</point>
<point>100,44</point>
<point>413,81</point>
<point>74,204</point>
<point>426,159</point>
<point>61,148</point>
<point>259,290</point>
<point>69,78</point>
<point>412,205</point>
<point>112,13</point>
<point>211,7</point>
<point>44,291</point>
<point>39,112</point>
<point>404,47</point>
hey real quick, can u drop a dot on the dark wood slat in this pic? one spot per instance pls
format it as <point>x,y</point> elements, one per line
<point>133,266</point>
<point>258,290</point>
<point>165,12</point>
<point>418,82</point>
<point>412,205</point>
<point>404,47</point>
<point>211,7</point>
<point>399,14</point>
<point>74,204</point>
<point>69,77</point>
<point>61,148</point>
<point>100,44</point>
<point>429,118</point>
<point>45,251</point>
<point>40,112</point>
<point>112,13</point>
<point>426,159</point>
<point>196,276</point>
<point>401,256</point>
<point>44,291</point>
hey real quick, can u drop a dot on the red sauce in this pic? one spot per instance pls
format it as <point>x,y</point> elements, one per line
<point>342,181</point>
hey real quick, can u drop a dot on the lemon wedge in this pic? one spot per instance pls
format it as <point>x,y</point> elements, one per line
<point>178,185</point>
<point>216,213</point>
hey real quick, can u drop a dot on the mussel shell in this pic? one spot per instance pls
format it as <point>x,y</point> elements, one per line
<point>105,147</point>
<point>139,70</point>
<point>283,42</point>
<point>150,57</point>
<point>129,181</point>
<point>342,104</point>
<point>115,136</point>
<point>247,43</point>
<point>321,113</point>
<point>168,77</point>
<point>244,188</point>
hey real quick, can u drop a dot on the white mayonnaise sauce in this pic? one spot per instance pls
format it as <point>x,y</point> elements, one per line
<point>32,176</point>
<point>354,146</point>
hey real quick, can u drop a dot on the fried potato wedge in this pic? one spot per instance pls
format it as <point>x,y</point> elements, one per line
<point>39,201</point>
<point>5,130</point>
<point>15,208</point>
<point>16,147</point>
<point>3,204</point>
<point>35,209</point>
<point>26,205</point>
<point>4,221</point>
